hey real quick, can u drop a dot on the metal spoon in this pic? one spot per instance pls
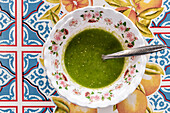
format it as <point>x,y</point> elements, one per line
<point>135,51</point>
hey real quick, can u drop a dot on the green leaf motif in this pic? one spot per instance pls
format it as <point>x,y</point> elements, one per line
<point>102,97</point>
<point>136,1</point>
<point>134,66</point>
<point>133,43</point>
<point>56,53</point>
<point>64,37</point>
<point>123,35</point>
<point>50,48</point>
<point>62,30</point>
<point>151,13</point>
<point>118,3</point>
<point>61,43</point>
<point>52,14</point>
<point>53,1</point>
<point>109,98</point>
<point>88,97</point>
<point>127,29</point>
<point>53,42</point>
<point>124,23</point>
<point>82,16</point>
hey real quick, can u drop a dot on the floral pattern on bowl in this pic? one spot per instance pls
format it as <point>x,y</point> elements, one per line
<point>91,16</point>
<point>101,18</point>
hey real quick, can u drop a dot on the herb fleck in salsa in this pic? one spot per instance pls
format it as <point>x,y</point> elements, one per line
<point>83,59</point>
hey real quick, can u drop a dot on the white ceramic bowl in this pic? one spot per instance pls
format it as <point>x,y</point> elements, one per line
<point>94,17</point>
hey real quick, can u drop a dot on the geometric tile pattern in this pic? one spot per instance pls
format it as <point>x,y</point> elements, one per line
<point>34,32</point>
<point>38,109</point>
<point>163,19</point>
<point>35,83</point>
<point>8,23</point>
<point>8,109</point>
<point>8,76</point>
<point>21,72</point>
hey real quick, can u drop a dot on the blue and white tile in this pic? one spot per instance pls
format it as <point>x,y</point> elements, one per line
<point>37,86</point>
<point>8,76</point>
<point>8,109</point>
<point>44,109</point>
<point>7,22</point>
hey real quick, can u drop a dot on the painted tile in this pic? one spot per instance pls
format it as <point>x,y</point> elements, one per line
<point>8,109</point>
<point>8,23</point>
<point>34,31</point>
<point>38,109</point>
<point>8,76</point>
<point>36,85</point>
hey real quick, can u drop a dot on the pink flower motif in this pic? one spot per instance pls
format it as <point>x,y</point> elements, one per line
<point>54,48</point>
<point>111,95</point>
<point>132,70</point>
<point>87,15</point>
<point>136,38</point>
<point>74,22</point>
<point>87,94</point>
<point>126,73</point>
<point>65,32</point>
<point>108,21</point>
<point>120,22</point>
<point>130,45</point>
<point>97,97</point>
<point>76,92</point>
<point>57,76</point>
<point>119,86</point>
<point>51,52</point>
<point>97,14</point>
<point>130,36</point>
<point>129,79</point>
<point>122,28</point>
<point>57,36</point>
<point>64,77</point>
<point>63,83</point>
<point>92,97</point>
<point>92,20</point>
<point>56,63</point>
<point>107,94</point>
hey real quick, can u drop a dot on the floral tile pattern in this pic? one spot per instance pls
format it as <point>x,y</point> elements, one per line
<point>8,109</point>
<point>8,23</point>
<point>34,32</point>
<point>38,109</point>
<point>23,80</point>
<point>36,85</point>
<point>8,76</point>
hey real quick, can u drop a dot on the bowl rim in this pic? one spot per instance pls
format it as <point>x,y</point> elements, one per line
<point>68,97</point>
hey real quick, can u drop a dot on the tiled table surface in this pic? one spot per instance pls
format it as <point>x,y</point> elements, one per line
<point>24,85</point>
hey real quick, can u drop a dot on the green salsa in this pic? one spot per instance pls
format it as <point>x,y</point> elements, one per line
<point>83,58</point>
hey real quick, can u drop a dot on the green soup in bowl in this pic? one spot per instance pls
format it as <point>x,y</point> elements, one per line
<point>83,60</point>
<point>73,57</point>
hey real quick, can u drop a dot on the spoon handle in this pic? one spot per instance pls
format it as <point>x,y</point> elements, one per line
<point>135,51</point>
